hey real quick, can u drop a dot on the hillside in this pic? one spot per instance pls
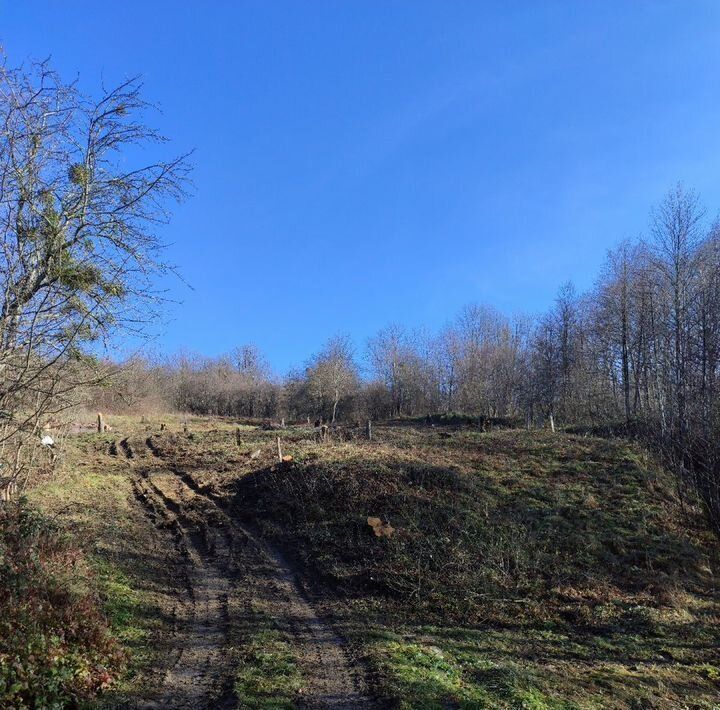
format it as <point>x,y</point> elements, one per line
<point>520,569</point>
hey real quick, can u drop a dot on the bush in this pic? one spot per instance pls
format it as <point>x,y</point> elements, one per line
<point>55,647</point>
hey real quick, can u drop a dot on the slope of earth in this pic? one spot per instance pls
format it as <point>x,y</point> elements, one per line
<point>519,569</point>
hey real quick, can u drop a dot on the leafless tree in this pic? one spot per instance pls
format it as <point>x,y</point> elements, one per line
<point>332,377</point>
<point>401,360</point>
<point>676,236</point>
<point>79,248</point>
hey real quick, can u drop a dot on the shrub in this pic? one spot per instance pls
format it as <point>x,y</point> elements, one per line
<point>55,647</point>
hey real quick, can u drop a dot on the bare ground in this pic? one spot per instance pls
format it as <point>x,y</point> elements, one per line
<point>226,579</point>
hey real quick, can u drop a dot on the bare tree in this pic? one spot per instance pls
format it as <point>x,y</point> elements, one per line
<point>615,312</point>
<point>676,233</point>
<point>78,235</point>
<point>332,376</point>
<point>400,360</point>
<point>446,352</point>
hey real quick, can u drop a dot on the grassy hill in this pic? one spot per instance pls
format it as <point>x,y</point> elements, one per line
<point>523,569</point>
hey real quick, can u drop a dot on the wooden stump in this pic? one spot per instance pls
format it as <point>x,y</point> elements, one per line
<point>100,423</point>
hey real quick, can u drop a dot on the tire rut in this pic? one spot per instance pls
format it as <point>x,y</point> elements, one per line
<point>222,555</point>
<point>200,669</point>
<point>332,680</point>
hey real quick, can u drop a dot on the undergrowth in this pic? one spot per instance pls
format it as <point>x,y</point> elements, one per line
<point>55,646</point>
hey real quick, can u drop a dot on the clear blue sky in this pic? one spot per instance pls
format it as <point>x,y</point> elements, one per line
<point>359,163</point>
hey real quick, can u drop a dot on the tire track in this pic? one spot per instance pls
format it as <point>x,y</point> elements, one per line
<point>331,678</point>
<point>200,671</point>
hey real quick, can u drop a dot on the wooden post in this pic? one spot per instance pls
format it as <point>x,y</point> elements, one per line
<point>238,437</point>
<point>101,424</point>
<point>279,450</point>
<point>282,423</point>
<point>8,489</point>
<point>552,423</point>
<point>368,429</point>
<point>185,427</point>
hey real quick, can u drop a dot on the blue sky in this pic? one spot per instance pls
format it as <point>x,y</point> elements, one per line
<point>366,162</point>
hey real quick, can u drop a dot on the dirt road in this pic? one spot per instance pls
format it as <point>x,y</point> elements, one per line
<point>229,584</point>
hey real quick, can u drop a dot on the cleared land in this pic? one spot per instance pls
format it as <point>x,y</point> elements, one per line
<point>523,570</point>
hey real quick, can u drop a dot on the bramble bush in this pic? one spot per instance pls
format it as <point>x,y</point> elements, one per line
<point>55,646</point>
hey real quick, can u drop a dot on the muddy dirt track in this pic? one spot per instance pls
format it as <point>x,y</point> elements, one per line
<point>228,583</point>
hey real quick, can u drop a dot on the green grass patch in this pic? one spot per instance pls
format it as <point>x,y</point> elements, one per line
<point>579,579</point>
<point>268,676</point>
<point>91,498</point>
<point>432,674</point>
<point>124,607</point>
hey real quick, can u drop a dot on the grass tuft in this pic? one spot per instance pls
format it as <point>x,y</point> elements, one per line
<point>268,676</point>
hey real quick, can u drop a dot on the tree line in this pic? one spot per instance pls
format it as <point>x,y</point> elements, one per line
<point>638,353</point>
<point>642,345</point>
